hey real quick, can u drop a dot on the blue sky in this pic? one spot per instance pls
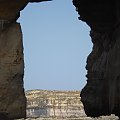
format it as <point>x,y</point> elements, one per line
<point>56,46</point>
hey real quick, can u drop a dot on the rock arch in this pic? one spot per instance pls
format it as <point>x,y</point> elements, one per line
<point>101,94</point>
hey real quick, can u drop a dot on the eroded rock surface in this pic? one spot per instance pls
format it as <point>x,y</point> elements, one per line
<point>57,105</point>
<point>101,95</point>
<point>10,9</point>
<point>54,104</point>
<point>12,97</point>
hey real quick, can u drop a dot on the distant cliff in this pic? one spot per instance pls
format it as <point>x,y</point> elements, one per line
<point>60,104</point>
<point>57,105</point>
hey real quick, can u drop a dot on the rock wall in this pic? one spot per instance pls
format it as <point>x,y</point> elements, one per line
<point>12,96</point>
<point>54,104</point>
<point>101,95</point>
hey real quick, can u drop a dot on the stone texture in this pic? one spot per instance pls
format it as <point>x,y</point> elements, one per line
<point>54,104</point>
<point>57,105</point>
<point>10,9</point>
<point>12,97</point>
<point>82,118</point>
<point>101,95</point>
<point>112,117</point>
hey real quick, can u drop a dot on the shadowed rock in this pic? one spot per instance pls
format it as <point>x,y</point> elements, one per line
<point>101,95</point>
<point>12,96</point>
<point>10,9</point>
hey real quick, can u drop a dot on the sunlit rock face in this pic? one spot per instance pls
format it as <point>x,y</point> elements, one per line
<point>54,104</point>
<point>101,95</point>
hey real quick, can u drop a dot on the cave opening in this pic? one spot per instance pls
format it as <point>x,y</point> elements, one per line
<point>56,46</point>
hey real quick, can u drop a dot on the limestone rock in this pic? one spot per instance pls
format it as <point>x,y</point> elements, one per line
<point>10,9</point>
<point>98,14</point>
<point>54,104</point>
<point>101,95</point>
<point>12,97</point>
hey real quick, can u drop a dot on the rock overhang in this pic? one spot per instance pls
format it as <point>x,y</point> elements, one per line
<point>100,15</point>
<point>9,10</point>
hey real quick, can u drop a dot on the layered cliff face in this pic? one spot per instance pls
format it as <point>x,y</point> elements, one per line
<point>101,95</point>
<point>57,105</point>
<point>54,104</point>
